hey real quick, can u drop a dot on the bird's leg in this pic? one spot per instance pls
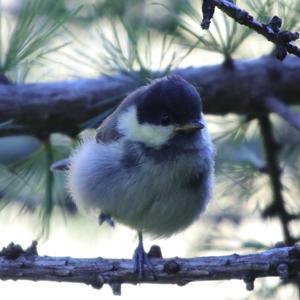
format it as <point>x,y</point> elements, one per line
<point>140,258</point>
<point>106,218</point>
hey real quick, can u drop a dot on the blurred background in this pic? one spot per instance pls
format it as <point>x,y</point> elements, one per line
<point>44,40</point>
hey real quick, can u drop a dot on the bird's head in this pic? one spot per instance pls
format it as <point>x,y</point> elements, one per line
<point>160,112</point>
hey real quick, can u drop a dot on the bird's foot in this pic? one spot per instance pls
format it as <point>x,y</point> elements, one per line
<point>141,260</point>
<point>154,252</point>
<point>106,218</point>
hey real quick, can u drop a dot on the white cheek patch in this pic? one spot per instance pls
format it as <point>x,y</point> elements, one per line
<point>150,135</point>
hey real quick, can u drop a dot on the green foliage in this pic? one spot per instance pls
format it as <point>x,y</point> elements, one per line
<point>289,12</point>
<point>30,182</point>
<point>137,12</point>
<point>30,39</point>
<point>34,34</point>
<point>261,9</point>
<point>241,161</point>
<point>135,51</point>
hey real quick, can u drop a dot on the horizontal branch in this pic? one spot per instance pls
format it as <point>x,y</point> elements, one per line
<point>17,264</point>
<point>44,108</point>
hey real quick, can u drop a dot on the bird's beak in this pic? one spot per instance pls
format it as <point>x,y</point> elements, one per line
<point>190,127</point>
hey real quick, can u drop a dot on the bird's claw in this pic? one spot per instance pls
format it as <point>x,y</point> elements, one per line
<point>106,218</point>
<point>141,260</point>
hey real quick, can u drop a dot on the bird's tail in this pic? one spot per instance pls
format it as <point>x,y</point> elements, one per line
<point>60,165</point>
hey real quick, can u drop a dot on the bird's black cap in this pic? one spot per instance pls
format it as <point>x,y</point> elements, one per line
<point>169,100</point>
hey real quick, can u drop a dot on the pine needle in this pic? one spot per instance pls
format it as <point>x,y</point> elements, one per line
<point>29,40</point>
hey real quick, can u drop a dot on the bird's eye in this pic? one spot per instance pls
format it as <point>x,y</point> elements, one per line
<point>165,119</point>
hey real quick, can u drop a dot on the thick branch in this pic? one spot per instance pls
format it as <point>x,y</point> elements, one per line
<point>18,264</point>
<point>44,108</point>
<point>60,106</point>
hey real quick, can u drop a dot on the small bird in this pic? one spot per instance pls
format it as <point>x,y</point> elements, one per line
<point>150,165</point>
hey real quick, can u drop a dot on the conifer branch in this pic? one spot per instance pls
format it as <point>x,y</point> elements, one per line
<point>19,264</point>
<point>44,108</point>
<point>274,105</point>
<point>277,207</point>
<point>271,31</point>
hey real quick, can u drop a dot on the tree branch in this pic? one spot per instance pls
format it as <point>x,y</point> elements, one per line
<point>274,105</point>
<point>271,31</point>
<point>17,264</point>
<point>44,108</point>
<point>277,208</point>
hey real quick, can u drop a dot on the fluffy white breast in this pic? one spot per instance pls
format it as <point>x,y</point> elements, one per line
<point>149,134</point>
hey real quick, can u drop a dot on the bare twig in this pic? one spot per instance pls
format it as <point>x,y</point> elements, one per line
<point>208,9</point>
<point>273,104</point>
<point>277,208</point>
<point>271,31</point>
<point>18,264</point>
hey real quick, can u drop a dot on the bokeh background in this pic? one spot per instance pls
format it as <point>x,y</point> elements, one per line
<point>44,40</point>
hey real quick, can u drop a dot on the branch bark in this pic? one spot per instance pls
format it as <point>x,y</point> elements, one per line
<point>44,108</point>
<point>276,106</point>
<point>277,207</point>
<point>18,264</point>
<point>271,31</point>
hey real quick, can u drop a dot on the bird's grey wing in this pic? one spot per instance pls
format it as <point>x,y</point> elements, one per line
<point>60,165</point>
<point>108,132</point>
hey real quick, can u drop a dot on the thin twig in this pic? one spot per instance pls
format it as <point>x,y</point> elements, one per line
<point>273,104</point>
<point>271,150</point>
<point>271,31</point>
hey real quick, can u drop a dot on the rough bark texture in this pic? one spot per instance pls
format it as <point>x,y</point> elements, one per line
<point>271,31</point>
<point>17,264</point>
<point>44,108</point>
